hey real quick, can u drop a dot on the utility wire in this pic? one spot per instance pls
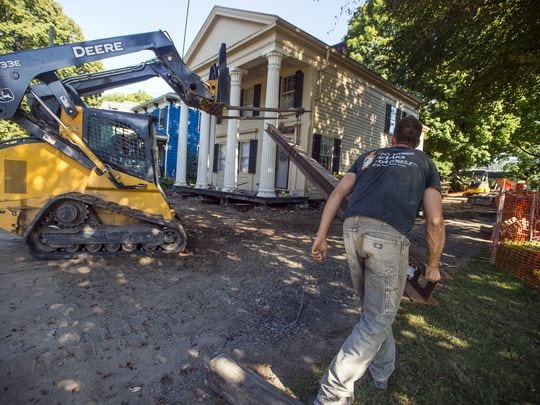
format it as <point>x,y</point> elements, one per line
<point>185,29</point>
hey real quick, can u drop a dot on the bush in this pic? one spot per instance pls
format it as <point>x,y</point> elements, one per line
<point>166,182</point>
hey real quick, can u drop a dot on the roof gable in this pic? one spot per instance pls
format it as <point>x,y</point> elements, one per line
<point>225,25</point>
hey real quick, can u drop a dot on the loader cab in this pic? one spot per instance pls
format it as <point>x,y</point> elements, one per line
<point>122,140</point>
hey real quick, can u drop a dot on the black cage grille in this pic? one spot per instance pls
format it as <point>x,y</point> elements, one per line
<point>117,144</point>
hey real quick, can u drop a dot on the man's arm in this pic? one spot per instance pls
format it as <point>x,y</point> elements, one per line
<point>435,232</point>
<point>342,190</point>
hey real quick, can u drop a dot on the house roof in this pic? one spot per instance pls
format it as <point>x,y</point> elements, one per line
<point>256,24</point>
<point>165,98</point>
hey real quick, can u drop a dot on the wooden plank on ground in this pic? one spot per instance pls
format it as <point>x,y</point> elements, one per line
<point>240,386</point>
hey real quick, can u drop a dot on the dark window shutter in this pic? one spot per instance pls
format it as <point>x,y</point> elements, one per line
<point>403,114</point>
<point>252,167</point>
<point>298,88</point>
<point>387,118</point>
<point>398,115</point>
<point>241,101</point>
<point>336,154</point>
<point>216,158</point>
<point>257,98</point>
<point>316,151</point>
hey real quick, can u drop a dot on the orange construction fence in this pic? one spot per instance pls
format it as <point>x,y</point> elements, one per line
<point>516,235</point>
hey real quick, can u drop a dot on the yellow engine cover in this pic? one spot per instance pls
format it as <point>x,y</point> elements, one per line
<point>31,173</point>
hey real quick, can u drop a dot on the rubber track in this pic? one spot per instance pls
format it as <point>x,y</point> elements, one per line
<point>111,206</point>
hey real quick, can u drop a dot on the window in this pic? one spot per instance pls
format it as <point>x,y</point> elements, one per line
<point>327,151</point>
<point>250,98</point>
<point>162,114</point>
<point>390,119</point>
<point>247,156</point>
<point>247,101</point>
<point>286,99</point>
<point>243,157</point>
<point>325,156</point>
<point>221,158</point>
<point>290,90</point>
<point>218,165</point>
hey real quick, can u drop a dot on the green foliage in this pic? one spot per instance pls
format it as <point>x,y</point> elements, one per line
<point>10,130</point>
<point>473,65</point>
<point>138,97</point>
<point>24,24</point>
<point>487,42</point>
<point>166,182</point>
<point>370,31</point>
<point>458,141</point>
<point>527,166</point>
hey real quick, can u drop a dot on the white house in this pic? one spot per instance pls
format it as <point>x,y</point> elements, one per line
<point>275,64</point>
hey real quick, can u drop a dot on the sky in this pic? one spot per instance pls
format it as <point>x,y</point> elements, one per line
<point>108,18</point>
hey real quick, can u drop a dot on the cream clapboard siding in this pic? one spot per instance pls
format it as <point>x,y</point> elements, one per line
<point>351,109</point>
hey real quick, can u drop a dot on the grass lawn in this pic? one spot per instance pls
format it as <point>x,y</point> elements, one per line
<point>480,345</point>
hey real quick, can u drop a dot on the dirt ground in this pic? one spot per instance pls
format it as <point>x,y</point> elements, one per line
<point>139,329</point>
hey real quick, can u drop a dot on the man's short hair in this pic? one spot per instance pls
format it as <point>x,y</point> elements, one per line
<point>408,131</point>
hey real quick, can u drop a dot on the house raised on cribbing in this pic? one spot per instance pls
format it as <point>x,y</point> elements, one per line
<point>273,63</point>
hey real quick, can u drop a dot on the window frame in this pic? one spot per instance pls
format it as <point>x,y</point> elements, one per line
<point>243,159</point>
<point>248,100</point>
<point>334,160</point>
<point>162,119</point>
<point>326,152</point>
<point>287,90</point>
<point>222,152</point>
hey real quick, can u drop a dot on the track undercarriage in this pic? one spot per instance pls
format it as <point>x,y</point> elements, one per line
<point>77,224</point>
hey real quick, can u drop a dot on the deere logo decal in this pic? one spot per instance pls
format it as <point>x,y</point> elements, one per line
<point>6,95</point>
<point>98,49</point>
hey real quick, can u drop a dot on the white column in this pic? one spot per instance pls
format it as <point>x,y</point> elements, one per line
<point>202,163</point>
<point>231,156</point>
<point>268,154</point>
<point>181,155</point>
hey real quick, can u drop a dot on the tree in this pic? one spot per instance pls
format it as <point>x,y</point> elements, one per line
<point>24,24</point>
<point>368,36</point>
<point>527,166</point>
<point>473,64</point>
<point>139,97</point>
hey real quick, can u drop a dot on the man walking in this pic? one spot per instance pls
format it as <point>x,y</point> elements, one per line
<point>386,187</point>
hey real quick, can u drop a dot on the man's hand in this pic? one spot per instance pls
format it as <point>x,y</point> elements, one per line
<point>331,208</point>
<point>318,250</point>
<point>432,273</point>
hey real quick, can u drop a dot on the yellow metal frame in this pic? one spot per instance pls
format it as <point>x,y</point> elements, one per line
<point>50,173</point>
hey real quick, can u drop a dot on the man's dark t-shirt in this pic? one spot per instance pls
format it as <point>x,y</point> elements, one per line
<point>390,184</point>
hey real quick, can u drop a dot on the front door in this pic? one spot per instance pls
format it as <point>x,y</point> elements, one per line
<point>282,169</point>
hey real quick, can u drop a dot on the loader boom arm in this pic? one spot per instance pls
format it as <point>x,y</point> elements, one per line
<point>17,70</point>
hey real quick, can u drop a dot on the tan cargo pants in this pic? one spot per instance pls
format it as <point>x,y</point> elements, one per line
<point>377,255</point>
